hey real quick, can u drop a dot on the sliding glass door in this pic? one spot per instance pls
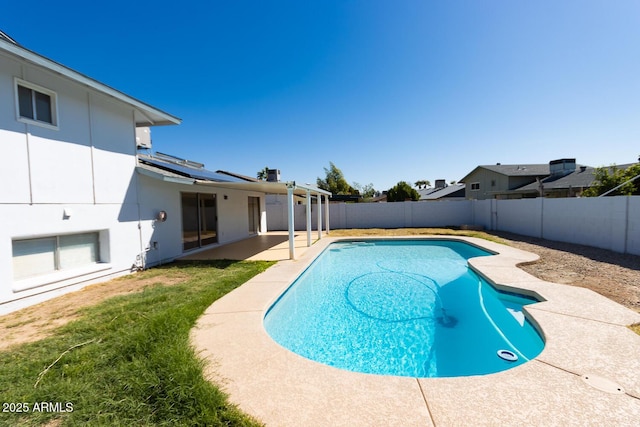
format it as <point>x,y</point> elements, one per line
<point>254,214</point>
<point>199,220</point>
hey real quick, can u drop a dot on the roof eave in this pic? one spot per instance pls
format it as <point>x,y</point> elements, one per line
<point>39,60</point>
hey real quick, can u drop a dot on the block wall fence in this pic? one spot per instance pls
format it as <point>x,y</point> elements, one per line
<point>605,222</point>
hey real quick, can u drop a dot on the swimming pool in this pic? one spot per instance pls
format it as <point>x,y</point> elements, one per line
<point>403,307</point>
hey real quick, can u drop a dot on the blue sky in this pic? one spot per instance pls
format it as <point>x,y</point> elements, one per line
<point>386,90</point>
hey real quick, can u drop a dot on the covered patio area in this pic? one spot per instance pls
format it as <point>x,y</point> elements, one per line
<point>271,246</point>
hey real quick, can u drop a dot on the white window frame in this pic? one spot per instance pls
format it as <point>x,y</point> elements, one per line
<point>60,274</point>
<point>476,185</point>
<point>54,104</point>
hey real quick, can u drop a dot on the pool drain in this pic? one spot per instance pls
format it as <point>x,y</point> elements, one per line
<point>507,355</point>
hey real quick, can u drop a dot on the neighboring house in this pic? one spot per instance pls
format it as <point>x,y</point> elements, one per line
<point>569,183</point>
<point>381,198</point>
<point>485,181</point>
<point>442,191</point>
<point>448,192</point>
<point>70,199</point>
<point>559,178</point>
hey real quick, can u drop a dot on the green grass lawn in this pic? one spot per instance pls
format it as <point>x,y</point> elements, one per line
<point>127,361</point>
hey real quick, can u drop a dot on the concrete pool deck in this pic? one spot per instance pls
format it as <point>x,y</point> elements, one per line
<point>587,374</point>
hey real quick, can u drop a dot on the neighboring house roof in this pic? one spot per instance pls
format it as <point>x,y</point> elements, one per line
<point>380,198</point>
<point>513,170</point>
<point>450,191</point>
<point>145,114</point>
<point>345,198</point>
<point>424,192</point>
<point>580,178</point>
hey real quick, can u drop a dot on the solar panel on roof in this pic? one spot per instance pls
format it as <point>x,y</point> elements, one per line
<point>195,173</point>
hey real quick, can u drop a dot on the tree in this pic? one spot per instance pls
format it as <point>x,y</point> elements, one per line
<point>423,183</point>
<point>335,182</point>
<point>402,191</point>
<point>608,178</point>
<point>263,174</point>
<point>366,191</point>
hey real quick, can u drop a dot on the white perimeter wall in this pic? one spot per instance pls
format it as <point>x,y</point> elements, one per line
<point>605,222</point>
<point>608,222</point>
<point>375,215</point>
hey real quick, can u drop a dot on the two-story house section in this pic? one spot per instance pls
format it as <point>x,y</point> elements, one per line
<point>69,191</point>
<point>559,178</point>
<point>486,181</point>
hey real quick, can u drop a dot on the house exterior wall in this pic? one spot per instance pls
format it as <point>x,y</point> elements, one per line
<point>157,195</point>
<point>492,182</point>
<point>489,181</point>
<point>85,166</point>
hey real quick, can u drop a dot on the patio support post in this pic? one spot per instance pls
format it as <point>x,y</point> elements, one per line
<point>308,218</point>
<point>326,214</point>
<point>291,221</point>
<point>319,216</point>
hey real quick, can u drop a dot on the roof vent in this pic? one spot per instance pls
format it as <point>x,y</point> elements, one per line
<point>583,168</point>
<point>441,183</point>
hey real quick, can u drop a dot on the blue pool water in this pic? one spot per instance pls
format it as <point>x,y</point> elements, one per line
<point>402,307</point>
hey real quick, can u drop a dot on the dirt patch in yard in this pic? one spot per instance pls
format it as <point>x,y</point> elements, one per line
<point>611,274</point>
<point>39,321</point>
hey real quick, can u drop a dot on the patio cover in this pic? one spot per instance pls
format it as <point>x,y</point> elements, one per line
<point>180,174</point>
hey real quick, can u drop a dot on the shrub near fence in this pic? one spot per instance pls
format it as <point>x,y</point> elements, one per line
<point>606,222</point>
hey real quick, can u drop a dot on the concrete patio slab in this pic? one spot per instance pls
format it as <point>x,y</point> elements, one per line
<point>585,335</point>
<point>272,246</point>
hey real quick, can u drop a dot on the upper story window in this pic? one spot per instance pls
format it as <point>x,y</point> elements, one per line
<point>475,185</point>
<point>36,104</point>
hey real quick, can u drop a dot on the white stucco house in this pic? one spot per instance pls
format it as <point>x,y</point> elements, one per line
<point>80,203</point>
